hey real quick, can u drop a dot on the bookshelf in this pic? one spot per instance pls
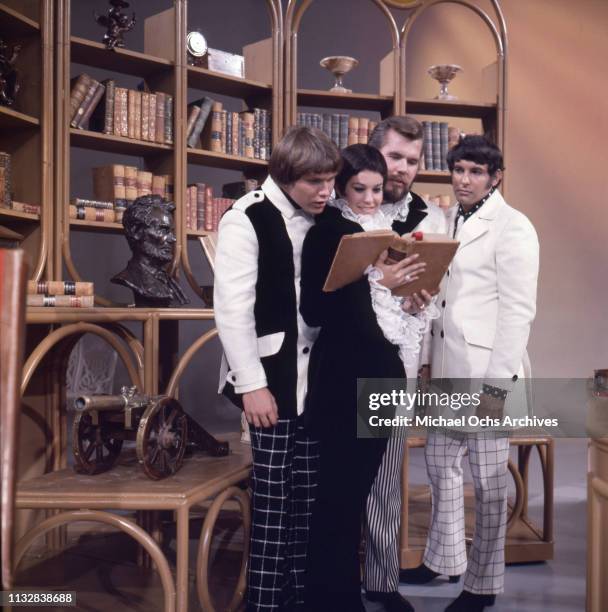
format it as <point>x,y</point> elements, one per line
<point>26,127</point>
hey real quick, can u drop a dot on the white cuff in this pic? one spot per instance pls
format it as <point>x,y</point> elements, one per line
<point>248,379</point>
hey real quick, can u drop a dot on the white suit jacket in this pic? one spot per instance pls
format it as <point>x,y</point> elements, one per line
<point>487,298</point>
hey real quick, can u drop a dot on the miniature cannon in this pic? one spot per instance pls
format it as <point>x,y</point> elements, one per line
<point>161,429</point>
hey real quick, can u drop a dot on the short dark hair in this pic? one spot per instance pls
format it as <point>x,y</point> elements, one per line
<point>303,150</point>
<point>476,149</point>
<point>405,126</point>
<point>139,213</point>
<point>355,159</point>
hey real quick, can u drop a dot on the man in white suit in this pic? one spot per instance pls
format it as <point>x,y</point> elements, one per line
<point>487,302</point>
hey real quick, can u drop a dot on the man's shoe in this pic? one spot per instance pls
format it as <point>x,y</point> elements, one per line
<point>421,575</point>
<point>471,602</point>
<point>392,602</point>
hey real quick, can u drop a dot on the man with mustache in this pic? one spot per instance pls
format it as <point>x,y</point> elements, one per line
<point>400,140</point>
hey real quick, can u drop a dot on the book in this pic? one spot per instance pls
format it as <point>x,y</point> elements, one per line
<point>200,206</point>
<point>215,138</point>
<point>152,118</point>
<point>84,203</point>
<point>158,185</point>
<point>130,184</point>
<point>168,119</point>
<point>5,180</point>
<point>209,209</point>
<point>159,134</point>
<point>343,134</point>
<point>145,115</point>
<point>78,288</point>
<point>137,116</point>
<point>89,94</point>
<point>205,105</point>
<point>193,113</point>
<point>91,214</point>
<point>89,105</point>
<point>79,87</point>
<point>357,251</point>
<point>70,301</point>
<point>144,183</point>
<point>32,209</point>
<point>247,120</point>
<point>121,99</point>
<point>436,144</point>
<point>102,118</point>
<point>131,94</point>
<point>193,202</point>
<point>443,143</point>
<point>428,145</point>
<point>109,184</point>
<point>353,130</point>
<point>363,130</point>
<point>229,148</point>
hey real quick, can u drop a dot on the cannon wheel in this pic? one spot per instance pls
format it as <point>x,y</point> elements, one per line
<point>161,438</point>
<point>95,447</point>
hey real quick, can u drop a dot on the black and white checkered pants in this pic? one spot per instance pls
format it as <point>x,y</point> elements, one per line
<point>445,547</point>
<point>284,481</point>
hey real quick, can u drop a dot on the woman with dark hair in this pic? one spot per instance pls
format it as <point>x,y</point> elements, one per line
<point>364,333</point>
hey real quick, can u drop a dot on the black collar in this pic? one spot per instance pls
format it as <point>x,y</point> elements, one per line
<point>469,213</point>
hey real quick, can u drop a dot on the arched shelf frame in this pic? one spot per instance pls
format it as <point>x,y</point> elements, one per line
<point>293,17</point>
<point>72,333</point>
<point>275,15</point>
<point>498,31</point>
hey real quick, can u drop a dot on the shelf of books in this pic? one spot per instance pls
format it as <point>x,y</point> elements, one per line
<point>26,105</point>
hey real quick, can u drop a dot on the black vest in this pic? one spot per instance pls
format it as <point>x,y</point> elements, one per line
<point>275,308</point>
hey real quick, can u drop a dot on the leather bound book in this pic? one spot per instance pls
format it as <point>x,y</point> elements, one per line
<point>86,102</point>
<point>158,185</point>
<point>78,92</point>
<point>215,143</point>
<point>159,134</point>
<point>209,209</point>
<point>131,95</point>
<point>168,137</point>
<point>92,214</point>
<point>193,112</point>
<point>130,183</point>
<point>109,183</point>
<point>200,206</point>
<point>137,115</point>
<point>363,130</point>
<point>145,115</point>
<point>152,119</point>
<point>77,288</point>
<point>353,130</point>
<point>247,120</point>
<point>102,117</point>
<point>192,194</point>
<point>90,106</point>
<point>69,301</point>
<point>357,251</point>
<point>144,183</point>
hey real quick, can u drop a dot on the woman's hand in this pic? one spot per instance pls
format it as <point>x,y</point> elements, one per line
<point>401,273</point>
<point>416,303</point>
<point>260,408</point>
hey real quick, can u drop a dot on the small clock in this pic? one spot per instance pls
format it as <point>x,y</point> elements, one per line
<point>196,46</point>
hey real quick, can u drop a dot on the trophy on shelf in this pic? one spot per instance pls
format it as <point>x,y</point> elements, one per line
<point>444,73</point>
<point>339,65</point>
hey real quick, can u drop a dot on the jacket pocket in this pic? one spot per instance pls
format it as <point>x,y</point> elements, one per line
<point>270,344</point>
<point>478,335</point>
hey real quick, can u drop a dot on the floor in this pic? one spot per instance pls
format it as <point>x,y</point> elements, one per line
<point>100,565</point>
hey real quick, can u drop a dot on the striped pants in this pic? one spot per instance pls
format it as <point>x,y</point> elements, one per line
<point>445,546</point>
<point>383,516</point>
<point>284,482</point>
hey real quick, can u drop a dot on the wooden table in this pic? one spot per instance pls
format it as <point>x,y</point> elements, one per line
<point>125,487</point>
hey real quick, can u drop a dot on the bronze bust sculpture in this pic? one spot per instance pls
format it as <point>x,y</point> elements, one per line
<point>148,224</point>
